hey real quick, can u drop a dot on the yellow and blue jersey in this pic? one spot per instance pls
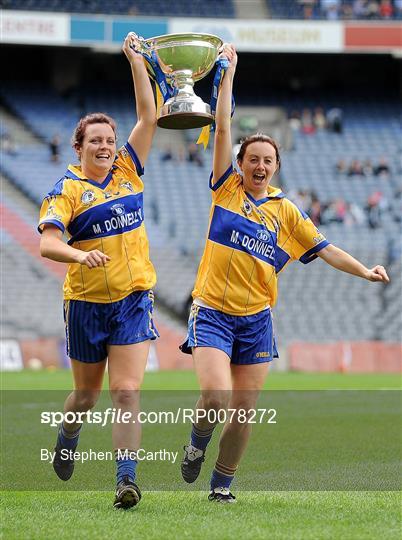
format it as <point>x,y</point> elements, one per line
<point>249,243</point>
<point>108,217</point>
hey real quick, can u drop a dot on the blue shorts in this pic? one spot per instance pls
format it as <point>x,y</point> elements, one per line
<point>91,326</point>
<point>246,340</point>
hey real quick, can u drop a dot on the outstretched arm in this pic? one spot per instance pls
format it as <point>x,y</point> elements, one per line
<point>223,138</point>
<point>143,132</point>
<point>341,260</point>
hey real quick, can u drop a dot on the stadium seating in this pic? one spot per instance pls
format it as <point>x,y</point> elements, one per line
<point>31,296</point>
<point>319,9</point>
<point>315,302</point>
<point>158,8</point>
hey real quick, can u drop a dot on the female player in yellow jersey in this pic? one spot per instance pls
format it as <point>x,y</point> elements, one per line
<point>254,231</point>
<point>108,299</point>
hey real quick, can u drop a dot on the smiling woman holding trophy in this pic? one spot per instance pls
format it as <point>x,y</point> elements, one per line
<point>254,232</point>
<point>108,298</point>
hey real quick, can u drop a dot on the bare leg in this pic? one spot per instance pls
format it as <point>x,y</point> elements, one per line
<point>87,386</point>
<point>212,367</point>
<point>88,380</point>
<point>126,372</point>
<point>247,383</point>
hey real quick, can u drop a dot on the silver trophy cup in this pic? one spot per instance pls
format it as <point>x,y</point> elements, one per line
<point>184,59</point>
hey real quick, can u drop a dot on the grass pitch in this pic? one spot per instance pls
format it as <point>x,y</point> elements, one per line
<point>303,515</point>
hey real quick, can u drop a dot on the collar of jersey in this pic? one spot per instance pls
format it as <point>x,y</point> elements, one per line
<point>75,173</point>
<point>273,193</point>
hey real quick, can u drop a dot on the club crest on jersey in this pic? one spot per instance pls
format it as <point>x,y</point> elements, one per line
<point>247,208</point>
<point>118,209</point>
<point>88,197</point>
<point>127,185</point>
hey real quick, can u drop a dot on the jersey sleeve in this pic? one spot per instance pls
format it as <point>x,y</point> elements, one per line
<point>227,183</point>
<point>299,237</point>
<point>128,160</point>
<point>56,209</point>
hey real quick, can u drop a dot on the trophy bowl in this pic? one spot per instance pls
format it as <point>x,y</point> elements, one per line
<point>184,59</point>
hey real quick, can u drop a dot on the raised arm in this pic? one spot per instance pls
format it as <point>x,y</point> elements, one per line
<point>341,260</point>
<point>223,138</point>
<point>144,130</point>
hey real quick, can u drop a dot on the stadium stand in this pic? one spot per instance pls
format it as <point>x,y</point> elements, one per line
<point>332,9</point>
<point>27,283</point>
<point>275,9</point>
<point>160,8</point>
<point>315,303</point>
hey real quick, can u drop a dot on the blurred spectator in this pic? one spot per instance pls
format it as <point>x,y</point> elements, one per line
<point>340,210</point>
<point>347,11</point>
<point>357,214</point>
<point>54,147</point>
<point>335,210</point>
<point>330,9</point>
<point>335,120</point>
<point>308,8</point>
<point>372,9</point>
<point>367,168</point>
<point>319,120</point>
<point>360,9</point>
<point>341,167</point>
<point>315,211</point>
<point>386,9</point>
<point>307,125</point>
<point>294,120</point>
<point>396,206</point>
<point>301,198</point>
<point>382,169</point>
<point>167,154</point>
<point>374,210</point>
<point>194,156</point>
<point>355,168</point>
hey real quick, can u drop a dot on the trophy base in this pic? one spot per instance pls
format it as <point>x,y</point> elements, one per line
<point>185,120</point>
<point>186,112</point>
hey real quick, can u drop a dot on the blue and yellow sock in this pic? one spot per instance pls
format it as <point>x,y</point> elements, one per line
<point>68,439</point>
<point>126,465</point>
<point>200,438</point>
<point>222,476</point>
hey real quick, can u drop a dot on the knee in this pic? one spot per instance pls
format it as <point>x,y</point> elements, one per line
<point>215,400</point>
<point>244,414</point>
<point>86,399</point>
<point>125,398</point>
